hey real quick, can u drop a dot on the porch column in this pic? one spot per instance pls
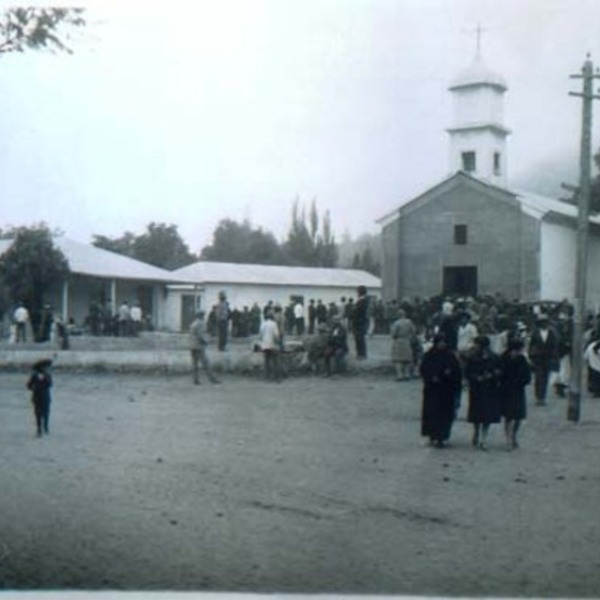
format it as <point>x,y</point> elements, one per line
<point>113,296</point>
<point>65,302</point>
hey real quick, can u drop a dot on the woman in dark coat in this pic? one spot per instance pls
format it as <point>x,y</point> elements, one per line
<point>482,371</point>
<point>442,376</point>
<point>40,383</point>
<point>516,375</point>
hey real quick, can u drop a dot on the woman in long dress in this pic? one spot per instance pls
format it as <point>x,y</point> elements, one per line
<point>483,372</point>
<point>516,375</point>
<point>402,333</point>
<point>442,377</point>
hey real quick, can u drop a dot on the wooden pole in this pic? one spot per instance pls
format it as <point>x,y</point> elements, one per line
<point>574,402</point>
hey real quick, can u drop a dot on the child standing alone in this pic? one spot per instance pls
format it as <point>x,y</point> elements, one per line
<point>40,383</point>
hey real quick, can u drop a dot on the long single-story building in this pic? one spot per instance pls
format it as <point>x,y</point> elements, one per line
<point>170,298</point>
<point>246,284</point>
<point>108,279</point>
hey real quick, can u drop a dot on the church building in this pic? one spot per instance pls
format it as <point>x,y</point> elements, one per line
<point>473,234</point>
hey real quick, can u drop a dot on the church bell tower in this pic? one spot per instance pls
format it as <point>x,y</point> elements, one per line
<point>478,135</point>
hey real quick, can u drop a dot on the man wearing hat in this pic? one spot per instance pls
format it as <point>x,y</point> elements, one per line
<point>544,356</point>
<point>40,383</point>
<point>198,343</point>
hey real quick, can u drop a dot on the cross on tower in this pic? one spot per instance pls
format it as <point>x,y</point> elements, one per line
<point>479,30</point>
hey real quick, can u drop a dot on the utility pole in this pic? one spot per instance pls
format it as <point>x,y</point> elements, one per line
<point>583,196</point>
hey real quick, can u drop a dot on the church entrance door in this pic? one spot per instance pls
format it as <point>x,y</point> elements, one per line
<point>461,281</point>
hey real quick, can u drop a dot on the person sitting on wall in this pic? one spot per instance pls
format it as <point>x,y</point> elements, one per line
<point>337,346</point>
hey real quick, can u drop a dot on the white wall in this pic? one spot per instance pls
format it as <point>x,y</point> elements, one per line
<point>240,295</point>
<point>478,104</point>
<point>558,264</point>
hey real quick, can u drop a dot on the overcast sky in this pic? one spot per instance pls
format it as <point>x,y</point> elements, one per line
<point>191,112</point>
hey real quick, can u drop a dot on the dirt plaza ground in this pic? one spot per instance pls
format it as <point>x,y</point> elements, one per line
<point>147,482</point>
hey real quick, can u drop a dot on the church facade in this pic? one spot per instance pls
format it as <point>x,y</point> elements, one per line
<point>471,234</point>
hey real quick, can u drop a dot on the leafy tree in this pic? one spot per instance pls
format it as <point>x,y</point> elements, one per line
<point>241,243</point>
<point>365,261</point>
<point>369,264</point>
<point>31,266</point>
<point>38,28</point>
<point>122,245</point>
<point>160,245</point>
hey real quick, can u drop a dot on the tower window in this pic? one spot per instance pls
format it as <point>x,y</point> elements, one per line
<point>468,162</point>
<point>497,163</point>
<point>460,235</point>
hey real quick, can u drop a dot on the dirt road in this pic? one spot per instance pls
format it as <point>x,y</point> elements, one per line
<point>311,485</point>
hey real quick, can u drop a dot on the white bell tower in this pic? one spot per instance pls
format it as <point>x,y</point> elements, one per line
<point>478,135</point>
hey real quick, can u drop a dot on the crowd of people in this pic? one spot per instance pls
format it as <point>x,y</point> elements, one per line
<point>491,347</point>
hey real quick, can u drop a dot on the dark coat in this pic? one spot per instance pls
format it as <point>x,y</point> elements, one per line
<point>442,376</point>
<point>544,354</point>
<point>40,383</point>
<point>516,375</point>
<point>483,373</point>
<point>360,315</point>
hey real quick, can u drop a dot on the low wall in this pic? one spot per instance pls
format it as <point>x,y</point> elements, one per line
<point>168,354</point>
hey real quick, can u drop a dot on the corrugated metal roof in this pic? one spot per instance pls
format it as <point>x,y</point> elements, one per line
<point>215,272</point>
<point>85,259</point>
<point>545,205</point>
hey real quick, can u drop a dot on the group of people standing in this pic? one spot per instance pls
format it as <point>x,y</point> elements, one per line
<point>496,389</point>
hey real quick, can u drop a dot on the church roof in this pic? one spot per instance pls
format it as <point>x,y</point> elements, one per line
<point>535,205</point>
<point>478,74</point>
<point>85,259</point>
<point>218,272</point>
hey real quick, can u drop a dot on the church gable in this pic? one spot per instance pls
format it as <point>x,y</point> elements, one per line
<point>458,188</point>
<point>464,236</point>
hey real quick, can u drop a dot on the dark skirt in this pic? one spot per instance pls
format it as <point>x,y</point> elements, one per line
<point>484,405</point>
<point>438,411</point>
<point>514,405</point>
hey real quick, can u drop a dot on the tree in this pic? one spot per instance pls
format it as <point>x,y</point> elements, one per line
<point>122,245</point>
<point>31,266</point>
<point>299,246</point>
<point>241,243</point>
<point>326,248</point>
<point>309,247</point>
<point>38,28</point>
<point>160,245</point>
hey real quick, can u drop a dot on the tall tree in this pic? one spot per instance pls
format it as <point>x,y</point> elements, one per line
<point>326,250</point>
<point>38,28</point>
<point>241,243</point>
<point>31,266</point>
<point>306,245</point>
<point>299,246</point>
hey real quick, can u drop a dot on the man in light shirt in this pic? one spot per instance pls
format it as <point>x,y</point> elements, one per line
<point>269,336</point>
<point>21,318</point>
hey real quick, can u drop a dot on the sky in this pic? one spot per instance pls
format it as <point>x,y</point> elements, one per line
<point>188,113</point>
